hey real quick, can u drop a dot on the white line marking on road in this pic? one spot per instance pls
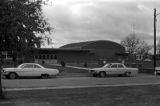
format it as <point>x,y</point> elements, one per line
<point>71,87</point>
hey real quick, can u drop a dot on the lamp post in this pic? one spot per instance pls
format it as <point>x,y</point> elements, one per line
<point>155,15</point>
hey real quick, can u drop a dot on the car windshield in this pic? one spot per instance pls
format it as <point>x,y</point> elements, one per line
<point>107,66</point>
<point>37,66</point>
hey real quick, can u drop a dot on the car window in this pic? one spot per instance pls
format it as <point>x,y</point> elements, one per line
<point>120,66</point>
<point>36,66</point>
<point>107,66</point>
<point>114,66</point>
<point>27,66</point>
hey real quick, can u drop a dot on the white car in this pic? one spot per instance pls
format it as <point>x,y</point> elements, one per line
<point>157,71</point>
<point>29,69</point>
<point>114,69</point>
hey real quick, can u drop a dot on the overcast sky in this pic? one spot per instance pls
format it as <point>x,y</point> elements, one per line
<point>87,20</point>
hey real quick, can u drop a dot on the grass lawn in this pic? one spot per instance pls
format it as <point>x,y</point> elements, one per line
<point>102,96</point>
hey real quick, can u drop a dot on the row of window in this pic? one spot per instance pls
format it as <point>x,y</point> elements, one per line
<point>46,57</point>
<point>114,66</point>
<point>30,66</point>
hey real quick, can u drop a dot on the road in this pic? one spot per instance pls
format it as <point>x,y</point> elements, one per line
<point>73,82</point>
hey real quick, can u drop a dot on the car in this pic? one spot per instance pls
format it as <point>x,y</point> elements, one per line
<point>157,71</point>
<point>114,69</point>
<point>29,70</point>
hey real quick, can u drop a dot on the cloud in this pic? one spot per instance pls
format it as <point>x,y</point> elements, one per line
<point>84,20</point>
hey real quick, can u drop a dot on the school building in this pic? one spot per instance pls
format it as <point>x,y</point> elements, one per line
<point>91,53</point>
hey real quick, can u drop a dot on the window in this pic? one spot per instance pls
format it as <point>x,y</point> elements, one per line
<point>27,66</point>
<point>120,66</point>
<point>47,56</point>
<point>114,66</point>
<point>44,56</point>
<point>107,66</point>
<point>51,56</point>
<point>40,57</point>
<point>139,57</point>
<point>36,66</point>
<point>55,57</point>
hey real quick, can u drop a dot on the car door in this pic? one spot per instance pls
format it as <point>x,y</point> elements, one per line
<point>120,69</point>
<point>26,70</point>
<point>112,69</point>
<point>37,71</point>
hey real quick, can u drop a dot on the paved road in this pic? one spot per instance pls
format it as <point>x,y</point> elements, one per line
<point>79,82</point>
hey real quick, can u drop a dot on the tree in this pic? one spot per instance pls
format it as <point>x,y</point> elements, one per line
<point>22,26</point>
<point>134,45</point>
<point>21,22</point>
<point>131,43</point>
<point>143,48</point>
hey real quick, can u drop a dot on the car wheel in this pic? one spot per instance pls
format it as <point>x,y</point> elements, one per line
<point>127,74</point>
<point>156,72</point>
<point>12,76</point>
<point>102,74</point>
<point>95,75</point>
<point>44,76</point>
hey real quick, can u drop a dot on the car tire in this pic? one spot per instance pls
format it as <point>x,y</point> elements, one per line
<point>44,76</point>
<point>102,74</point>
<point>12,76</point>
<point>95,75</point>
<point>156,72</point>
<point>127,74</point>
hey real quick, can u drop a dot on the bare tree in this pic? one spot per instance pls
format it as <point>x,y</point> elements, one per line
<point>131,43</point>
<point>143,48</point>
<point>134,45</point>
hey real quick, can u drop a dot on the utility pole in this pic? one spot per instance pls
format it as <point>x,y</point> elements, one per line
<point>155,20</point>
<point>155,38</point>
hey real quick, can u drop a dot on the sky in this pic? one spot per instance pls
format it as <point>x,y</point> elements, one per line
<point>88,20</point>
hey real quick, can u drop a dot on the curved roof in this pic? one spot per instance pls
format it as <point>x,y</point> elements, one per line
<point>81,45</point>
<point>78,45</point>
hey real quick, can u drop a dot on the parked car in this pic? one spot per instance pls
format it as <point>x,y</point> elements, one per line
<point>114,69</point>
<point>29,70</point>
<point>157,71</point>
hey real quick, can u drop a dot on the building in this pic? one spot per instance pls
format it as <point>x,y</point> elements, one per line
<point>88,54</point>
<point>91,53</point>
<point>82,54</point>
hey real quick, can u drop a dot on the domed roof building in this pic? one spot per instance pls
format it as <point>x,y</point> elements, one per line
<point>103,49</point>
<point>92,53</point>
